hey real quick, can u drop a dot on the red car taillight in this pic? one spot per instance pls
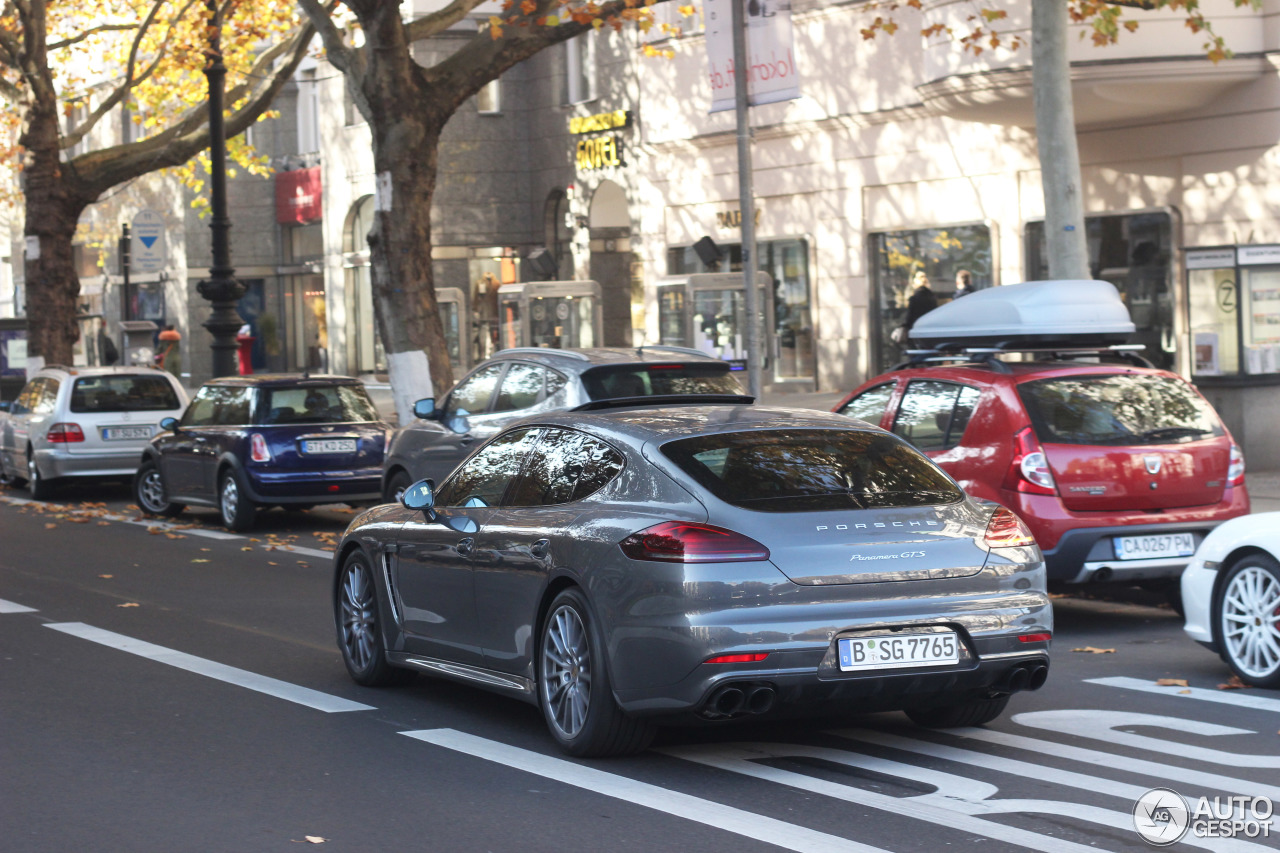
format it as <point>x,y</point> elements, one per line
<point>1029,471</point>
<point>686,542</point>
<point>1235,469</point>
<point>1006,530</point>
<point>65,433</point>
<point>258,451</point>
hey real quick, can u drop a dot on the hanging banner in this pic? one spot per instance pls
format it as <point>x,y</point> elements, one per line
<point>770,52</point>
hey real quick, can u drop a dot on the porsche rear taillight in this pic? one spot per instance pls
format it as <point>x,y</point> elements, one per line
<point>1235,468</point>
<point>258,450</point>
<point>1006,530</point>
<point>687,542</point>
<point>1029,472</point>
<point>64,433</point>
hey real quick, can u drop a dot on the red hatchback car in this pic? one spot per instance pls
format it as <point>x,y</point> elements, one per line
<point>1119,470</point>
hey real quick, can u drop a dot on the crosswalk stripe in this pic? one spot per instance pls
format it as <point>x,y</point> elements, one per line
<point>14,607</point>
<point>1239,698</point>
<point>220,672</point>
<point>788,836</point>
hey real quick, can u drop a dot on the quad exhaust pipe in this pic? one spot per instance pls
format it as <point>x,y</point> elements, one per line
<point>738,700</point>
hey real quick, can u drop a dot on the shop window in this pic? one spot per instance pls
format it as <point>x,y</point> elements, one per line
<point>1233,301</point>
<point>1134,252</point>
<point>787,261</point>
<point>940,253</point>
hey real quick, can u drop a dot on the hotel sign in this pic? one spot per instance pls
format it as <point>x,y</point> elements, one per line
<point>605,150</point>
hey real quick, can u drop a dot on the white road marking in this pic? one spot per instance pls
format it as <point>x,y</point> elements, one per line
<point>1240,698</point>
<point>788,836</point>
<point>220,672</point>
<point>957,802</point>
<point>211,534</point>
<point>14,607</point>
<point>1167,773</point>
<point>310,552</point>
<point>1101,725</point>
<point>1040,772</point>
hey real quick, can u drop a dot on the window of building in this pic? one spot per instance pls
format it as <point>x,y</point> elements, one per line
<point>787,262</point>
<point>308,112</point>
<point>1233,302</point>
<point>1135,253</point>
<point>76,116</point>
<point>489,98</point>
<point>939,253</point>
<point>580,69</point>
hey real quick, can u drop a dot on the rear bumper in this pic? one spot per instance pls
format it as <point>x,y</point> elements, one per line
<point>1082,542</point>
<point>284,487</point>
<point>117,462</point>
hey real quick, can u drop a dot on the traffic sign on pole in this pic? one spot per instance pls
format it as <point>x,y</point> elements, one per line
<point>148,242</point>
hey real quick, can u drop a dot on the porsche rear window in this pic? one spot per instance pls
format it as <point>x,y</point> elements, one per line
<point>1116,410</point>
<point>812,469</point>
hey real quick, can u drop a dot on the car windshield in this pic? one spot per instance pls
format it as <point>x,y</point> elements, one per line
<point>319,404</point>
<point>649,380</point>
<point>812,469</point>
<point>1117,410</point>
<point>123,393</point>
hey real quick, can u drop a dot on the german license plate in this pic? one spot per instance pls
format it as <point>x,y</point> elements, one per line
<point>329,445</point>
<point>897,651</point>
<point>125,433</point>
<point>1155,546</point>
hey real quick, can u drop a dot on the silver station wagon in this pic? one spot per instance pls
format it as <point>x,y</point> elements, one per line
<point>84,422</point>
<point>621,567</point>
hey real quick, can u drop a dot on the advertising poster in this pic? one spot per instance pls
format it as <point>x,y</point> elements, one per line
<point>770,53</point>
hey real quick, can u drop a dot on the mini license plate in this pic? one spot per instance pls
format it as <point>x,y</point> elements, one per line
<point>896,651</point>
<point>329,445</point>
<point>125,433</point>
<point>1154,546</point>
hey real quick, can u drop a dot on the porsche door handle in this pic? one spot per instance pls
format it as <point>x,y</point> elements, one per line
<point>465,441</point>
<point>540,549</point>
<point>465,546</point>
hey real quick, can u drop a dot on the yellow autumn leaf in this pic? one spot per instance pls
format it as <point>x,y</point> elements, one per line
<point>1171,682</point>
<point>1095,651</point>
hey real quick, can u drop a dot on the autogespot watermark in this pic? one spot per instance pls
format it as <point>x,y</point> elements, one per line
<point>1162,816</point>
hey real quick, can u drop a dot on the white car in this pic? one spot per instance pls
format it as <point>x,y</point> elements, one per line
<point>84,422</point>
<point>1231,592</point>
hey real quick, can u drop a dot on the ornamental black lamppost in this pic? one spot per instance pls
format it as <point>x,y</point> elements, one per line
<point>220,288</point>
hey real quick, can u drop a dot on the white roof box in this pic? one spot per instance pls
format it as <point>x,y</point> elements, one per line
<point>1043,313</point>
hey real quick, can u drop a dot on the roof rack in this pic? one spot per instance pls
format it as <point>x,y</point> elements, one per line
<point>666,400</point>
<point>986,356</point>
<point>543,351</point>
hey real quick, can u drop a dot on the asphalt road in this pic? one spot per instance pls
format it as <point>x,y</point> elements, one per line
<point>176,688</point>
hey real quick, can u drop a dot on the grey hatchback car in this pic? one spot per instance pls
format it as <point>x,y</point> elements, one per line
<point>518,383</point>
<point>619,567</point>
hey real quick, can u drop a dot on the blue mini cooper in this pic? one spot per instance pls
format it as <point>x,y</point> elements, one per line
<point>266,440</point>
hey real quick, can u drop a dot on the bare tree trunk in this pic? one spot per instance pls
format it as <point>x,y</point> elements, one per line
<point>1056,139</point>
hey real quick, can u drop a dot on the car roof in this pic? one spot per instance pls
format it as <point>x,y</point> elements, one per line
<point>1014,372</point>
<point>276,380</point>
<point>583,359</point>
<point>665,422</point>
<point>106,370</point>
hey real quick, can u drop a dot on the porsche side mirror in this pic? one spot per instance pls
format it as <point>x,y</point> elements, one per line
<point>425,409</point>
<point>170,424</point>
<point>421,496</point>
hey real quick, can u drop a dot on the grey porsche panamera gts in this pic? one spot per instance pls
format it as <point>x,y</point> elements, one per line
<point>621,567</point>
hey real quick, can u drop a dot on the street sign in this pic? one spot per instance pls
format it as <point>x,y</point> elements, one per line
<point>148,248</point>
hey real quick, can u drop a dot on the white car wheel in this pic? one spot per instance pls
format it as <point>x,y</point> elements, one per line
<point>1248,620</point>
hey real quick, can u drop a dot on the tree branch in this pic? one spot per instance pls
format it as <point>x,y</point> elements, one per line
<point>103,28</point>
<point>440,20</point>
<point>344,58</point>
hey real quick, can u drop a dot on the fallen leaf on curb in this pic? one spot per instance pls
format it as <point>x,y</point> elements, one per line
<point>1184,691</point>
<point>49,525</point>
<point>1234,684</point>
<point>1095,651</point>
<point>199,560</point>
<point>106,576</point>
<point>206,549</point>
<point>1172,682</point>
<point>303,563</point>
<point>128,604</point>
<point>104,524</point>
<point>154,531</point>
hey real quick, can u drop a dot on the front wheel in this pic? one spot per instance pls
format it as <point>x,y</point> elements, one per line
<point>233,503</point>
<point>972,713</point>
<point>148,491</point>
<point>1247,619</point>
<point>359,629</point>
<point>573,685</point>
<point>37,485</point>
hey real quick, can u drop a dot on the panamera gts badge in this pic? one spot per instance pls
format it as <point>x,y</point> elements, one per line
<point>1153,463</point>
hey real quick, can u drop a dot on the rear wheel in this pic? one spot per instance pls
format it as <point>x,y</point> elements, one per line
<point>573,685</point>
<point>149,492</point>
<point>973,713</point>
<point>1247,618</point>
<point>396,485</point>
<point>38,486</point>
<point>359,628</point>
<point>233,502</point>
